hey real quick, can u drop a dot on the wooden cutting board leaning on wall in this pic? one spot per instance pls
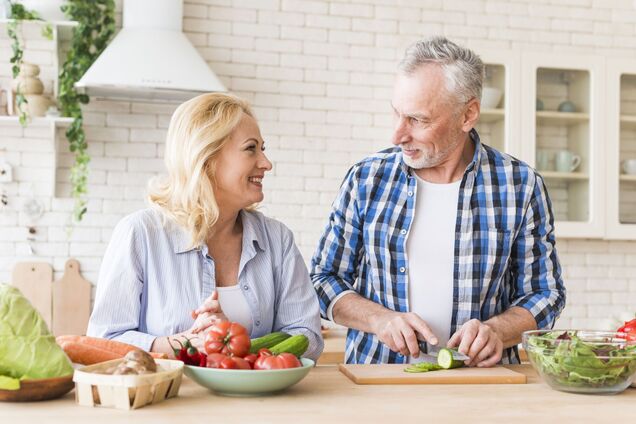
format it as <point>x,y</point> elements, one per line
<point>394,374</point>
<point>34,279</point>
<point>71,301</point>
<point>65,304</point>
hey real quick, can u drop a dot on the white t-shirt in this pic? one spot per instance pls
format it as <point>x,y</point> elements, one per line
<point>430,250</point>
<point>234,306</point>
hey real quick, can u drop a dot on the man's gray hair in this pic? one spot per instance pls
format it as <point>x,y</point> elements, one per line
<point>463,69</point>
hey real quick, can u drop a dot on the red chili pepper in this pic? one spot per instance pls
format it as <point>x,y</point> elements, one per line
<point>188,354</point>
<point>629,329</point>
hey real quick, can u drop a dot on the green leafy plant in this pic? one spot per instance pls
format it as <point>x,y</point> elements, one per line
<point>96,26</point>
<point>18,14</point>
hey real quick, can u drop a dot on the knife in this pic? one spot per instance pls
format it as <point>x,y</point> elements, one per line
<point>434,351</point>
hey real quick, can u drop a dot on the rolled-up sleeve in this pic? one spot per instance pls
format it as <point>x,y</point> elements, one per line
<point>335,263</point>
<point>297,305</point>
<point>117,305</point>
<point>538,281</point>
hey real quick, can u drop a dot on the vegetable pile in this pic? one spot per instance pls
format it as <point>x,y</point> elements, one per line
<point>568,359</point>
<point>228,346</point>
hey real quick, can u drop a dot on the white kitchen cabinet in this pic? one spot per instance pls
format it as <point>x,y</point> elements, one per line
<point>621,146</point>
<point>565,145</point>
<point>498,125</point>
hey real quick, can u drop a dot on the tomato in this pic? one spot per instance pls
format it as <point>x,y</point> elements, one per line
<point>241,363</point>
<point>229,338</point>
<point>219,360</point>
<point>267,361</point>
<point>629,329</point>
<point>214,360</point>
<point>251,358</point>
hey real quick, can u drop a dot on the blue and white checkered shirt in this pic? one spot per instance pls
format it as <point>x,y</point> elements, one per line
<point>504,245</point>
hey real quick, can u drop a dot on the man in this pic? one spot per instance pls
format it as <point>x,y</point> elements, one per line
<point>441,239</point>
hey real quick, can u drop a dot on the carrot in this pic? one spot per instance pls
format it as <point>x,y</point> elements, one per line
<point>67,338</point>
<point>114,346</point>
<point>85,354</point>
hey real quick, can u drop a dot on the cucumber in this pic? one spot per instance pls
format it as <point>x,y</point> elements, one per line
<point>446,361</point>
<point>422,367</point>
<point>267,341</point>
<point>296,345</point>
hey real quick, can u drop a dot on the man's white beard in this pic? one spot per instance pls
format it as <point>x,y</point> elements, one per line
<point>426,160</point>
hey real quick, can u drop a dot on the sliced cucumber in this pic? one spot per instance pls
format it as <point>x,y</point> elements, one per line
<point>445,359</point>
<point>422,367</point>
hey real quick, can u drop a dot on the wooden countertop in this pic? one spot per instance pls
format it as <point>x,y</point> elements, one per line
<point>326,395</point>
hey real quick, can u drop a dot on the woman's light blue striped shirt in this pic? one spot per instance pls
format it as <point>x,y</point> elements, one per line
<point>150,280</point>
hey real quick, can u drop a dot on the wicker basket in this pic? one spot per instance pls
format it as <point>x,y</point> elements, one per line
<point>126,391</point>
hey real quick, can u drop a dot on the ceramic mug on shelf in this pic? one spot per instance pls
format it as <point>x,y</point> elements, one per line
<point>543,159</point>
<point>629,166</point>
<point>567,161</point>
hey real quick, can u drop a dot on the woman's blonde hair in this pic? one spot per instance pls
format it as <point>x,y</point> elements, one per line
<point>198,129</point>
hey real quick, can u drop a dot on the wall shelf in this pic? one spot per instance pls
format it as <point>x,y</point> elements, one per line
<point>628,178</point>
<point>561,118</point>
<point>488,116</point>
<point>553,175</point>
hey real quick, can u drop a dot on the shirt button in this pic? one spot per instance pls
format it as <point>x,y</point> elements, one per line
<point>402,269</point>
<point>403,232</point>
<point>245,287</point>
<point>410,193</point>
<point>258,323</point>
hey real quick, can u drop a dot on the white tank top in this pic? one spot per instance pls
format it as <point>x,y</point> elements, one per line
<point>430,250</point>
<point>234,306</point>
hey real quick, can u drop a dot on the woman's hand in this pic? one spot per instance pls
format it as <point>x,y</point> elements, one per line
<point>207,314</point>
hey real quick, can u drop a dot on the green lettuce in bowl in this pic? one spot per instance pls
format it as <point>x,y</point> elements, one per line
<point>582,361</point>
<point>27,349</point>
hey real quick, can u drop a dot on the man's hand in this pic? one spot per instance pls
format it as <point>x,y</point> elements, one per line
<point>400,331</point>
<point>480,342</point>
<point>207,314</point>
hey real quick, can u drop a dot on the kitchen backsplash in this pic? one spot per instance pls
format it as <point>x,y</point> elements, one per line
<point>319,75</point>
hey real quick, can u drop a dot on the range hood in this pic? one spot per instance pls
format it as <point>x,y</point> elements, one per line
<point>150,58</point>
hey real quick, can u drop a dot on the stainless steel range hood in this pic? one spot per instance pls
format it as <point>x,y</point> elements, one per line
<point>150,58</point>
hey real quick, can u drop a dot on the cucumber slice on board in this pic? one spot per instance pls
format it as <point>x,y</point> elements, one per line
<point>446,361</point>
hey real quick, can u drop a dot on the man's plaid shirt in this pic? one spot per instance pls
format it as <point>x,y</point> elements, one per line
<point>504,245</point>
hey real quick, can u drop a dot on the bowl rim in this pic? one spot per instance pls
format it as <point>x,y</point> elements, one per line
<point>309,364</point>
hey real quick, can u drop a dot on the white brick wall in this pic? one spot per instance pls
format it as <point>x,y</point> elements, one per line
<point>319,74</point>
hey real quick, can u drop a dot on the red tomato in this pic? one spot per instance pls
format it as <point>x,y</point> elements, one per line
<point>251,358</point>
<point>267,361</point>
<point>241,363</point>
<point>629,329</point>
<point>229,338</point>
<point>219,360</point>
<point>214,360</point>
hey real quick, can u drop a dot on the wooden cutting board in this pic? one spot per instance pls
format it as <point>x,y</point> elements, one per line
<point>71,301</point>
<point>33,279</point>
<point>394,374</point>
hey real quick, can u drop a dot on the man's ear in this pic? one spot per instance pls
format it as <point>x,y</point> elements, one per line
<point>471,114</point>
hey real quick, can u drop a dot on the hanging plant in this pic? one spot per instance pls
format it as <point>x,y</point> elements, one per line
<point>18,14</point>
<point>96,19</point>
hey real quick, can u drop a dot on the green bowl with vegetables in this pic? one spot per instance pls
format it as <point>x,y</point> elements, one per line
<point>581,361</point>
<point>235,382</point>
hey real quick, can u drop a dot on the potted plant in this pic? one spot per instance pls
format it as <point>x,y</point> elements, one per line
<point>96,19</point>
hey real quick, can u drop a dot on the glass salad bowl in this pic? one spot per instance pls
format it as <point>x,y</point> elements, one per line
<point>581,361</point>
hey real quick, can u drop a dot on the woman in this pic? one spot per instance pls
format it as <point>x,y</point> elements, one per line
<point>202,252</point>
